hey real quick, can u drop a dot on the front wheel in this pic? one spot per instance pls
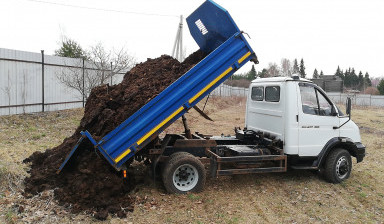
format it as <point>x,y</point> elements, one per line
<point>338,166</point>
<point>183,173</point>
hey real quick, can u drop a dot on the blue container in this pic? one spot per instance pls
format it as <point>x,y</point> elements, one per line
<point>217,34</point>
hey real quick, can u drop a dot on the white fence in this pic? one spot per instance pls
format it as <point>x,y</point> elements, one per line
<point>225,90</point>
<point>29,83</point>
<point>357,99</point>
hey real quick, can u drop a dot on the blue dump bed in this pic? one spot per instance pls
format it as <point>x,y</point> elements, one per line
<point>217,34</point>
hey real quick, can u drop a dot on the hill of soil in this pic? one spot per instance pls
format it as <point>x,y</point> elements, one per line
<point>90,183</point>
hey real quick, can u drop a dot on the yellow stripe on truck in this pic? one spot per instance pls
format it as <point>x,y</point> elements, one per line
<point>159,126</point>
<point>121,156</point>
<point>244,57</point>
<point>210,84</point>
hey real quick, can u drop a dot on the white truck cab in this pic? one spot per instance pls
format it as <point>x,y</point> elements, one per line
<point>314,132</point>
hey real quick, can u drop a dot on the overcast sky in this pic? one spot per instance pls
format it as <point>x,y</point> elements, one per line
<point>326,33</point>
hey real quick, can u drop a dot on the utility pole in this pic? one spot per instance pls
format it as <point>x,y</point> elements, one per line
<point>177,51</point>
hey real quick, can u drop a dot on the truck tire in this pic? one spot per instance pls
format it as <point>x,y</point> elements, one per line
<point>338,166</point>
<point>183,173</point>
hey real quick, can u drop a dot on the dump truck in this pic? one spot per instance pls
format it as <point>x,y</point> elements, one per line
<point>290,122</point>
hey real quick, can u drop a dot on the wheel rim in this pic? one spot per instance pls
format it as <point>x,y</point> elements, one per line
<point>185,177</point>
<point>342,167</point>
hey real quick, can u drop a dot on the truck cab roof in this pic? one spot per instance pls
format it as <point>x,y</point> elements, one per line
<point>280,79</point>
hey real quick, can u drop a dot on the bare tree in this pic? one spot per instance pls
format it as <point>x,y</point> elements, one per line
<point>99,69</point>
<point>273,70</point>
<point>72,76</point>
<point>101,59</point>
<point>286,67</point>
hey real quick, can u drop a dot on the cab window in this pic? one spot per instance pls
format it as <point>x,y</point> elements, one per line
<point>325,108</point>
<point>257,93</point>
<point>272,93</point>
<point>314,102</point>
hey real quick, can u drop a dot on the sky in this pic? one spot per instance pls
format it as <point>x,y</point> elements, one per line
<point>325,33</point>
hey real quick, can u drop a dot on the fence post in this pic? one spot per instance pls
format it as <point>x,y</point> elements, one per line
<point>42,81</point>
<point>370,100</point>
<point>83,82</point>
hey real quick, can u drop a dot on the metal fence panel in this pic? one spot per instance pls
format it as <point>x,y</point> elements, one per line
<point>225,90</point>
<point>21,82</point>
<point>358,99</point>
<point>21,89</point>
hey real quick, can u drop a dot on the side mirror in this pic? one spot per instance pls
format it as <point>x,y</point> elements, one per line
<point>348,111</point>
<point>348,106</point>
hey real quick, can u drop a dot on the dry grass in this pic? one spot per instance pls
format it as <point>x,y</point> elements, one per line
<point>296,196</point>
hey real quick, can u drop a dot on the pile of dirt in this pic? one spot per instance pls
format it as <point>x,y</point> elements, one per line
<point>91,183</point>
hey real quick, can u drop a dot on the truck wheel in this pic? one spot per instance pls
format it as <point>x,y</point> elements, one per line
<point>338,166</point>
<point>183,173</point>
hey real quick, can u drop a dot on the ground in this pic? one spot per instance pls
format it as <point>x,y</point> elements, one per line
<point>294,197</point>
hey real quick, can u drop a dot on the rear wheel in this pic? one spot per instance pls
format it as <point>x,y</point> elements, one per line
<point>183,173</point>
<point>338,166</point>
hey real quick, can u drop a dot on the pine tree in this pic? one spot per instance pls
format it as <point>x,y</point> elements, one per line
<point>315,74</point>
<point>339,73</point>
<point>251,75</point>
<point>71,49</point>
<point>367,80</point>
<point>380,87</point>
<point>321,74</point>
<point>347,78</point>
<point>361,81</point>
<point>263,73</point>
<point>295,67</point>
<point>302,69</point>
<point>354,79</point>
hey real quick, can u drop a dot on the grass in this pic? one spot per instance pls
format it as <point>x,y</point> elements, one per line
<point>193,197</point>
<point>10,216</point>
<point>292,197</point>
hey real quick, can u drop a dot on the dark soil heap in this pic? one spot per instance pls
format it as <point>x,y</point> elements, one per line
<point>91,183</point>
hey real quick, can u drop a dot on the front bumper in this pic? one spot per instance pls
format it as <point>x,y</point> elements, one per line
<point>360,151</point>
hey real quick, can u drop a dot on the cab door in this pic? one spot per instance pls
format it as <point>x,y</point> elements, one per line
<point>317,118</point>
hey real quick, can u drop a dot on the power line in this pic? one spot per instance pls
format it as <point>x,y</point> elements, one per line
<point>100,9</point>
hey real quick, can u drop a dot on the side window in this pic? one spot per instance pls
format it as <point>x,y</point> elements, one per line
<point>272,93</point>
<point>314,102</point>
<point>309,100</point>
<point>257,93</point>
<point>325,108</point>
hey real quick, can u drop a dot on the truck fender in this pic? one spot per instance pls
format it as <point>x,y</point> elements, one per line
<point>336,142</point>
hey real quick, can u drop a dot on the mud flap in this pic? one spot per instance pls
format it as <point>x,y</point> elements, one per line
<point>84,134</point>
